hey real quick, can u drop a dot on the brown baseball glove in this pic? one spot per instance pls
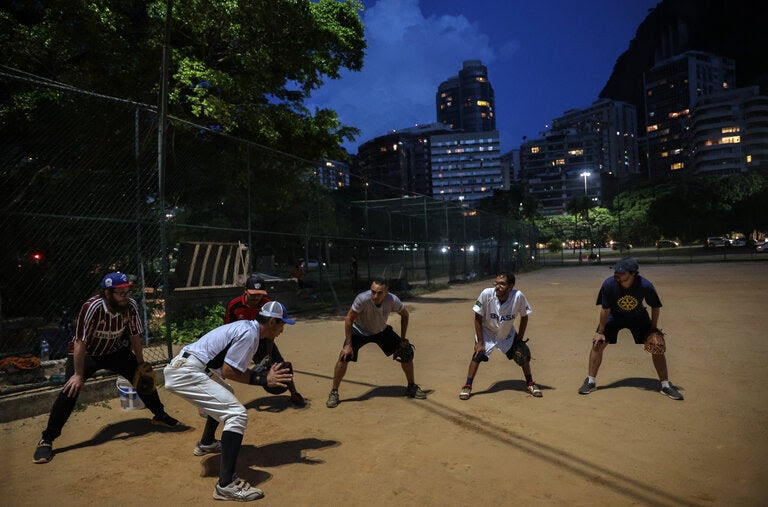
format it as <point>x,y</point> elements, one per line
<point>144,378</point>
<point>654,343</point>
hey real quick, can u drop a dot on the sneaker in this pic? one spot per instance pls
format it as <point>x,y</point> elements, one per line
<point>534,390</point>
<point>238,491</point>
<point>44,451</point>
<point>333,399</point>
<point>165,420</point>
<point>414,391</point>
<point>465,392</point>
<point>672,392</point>
<point>298,401</point>
<point>203,449</point>
<point>587,387</point>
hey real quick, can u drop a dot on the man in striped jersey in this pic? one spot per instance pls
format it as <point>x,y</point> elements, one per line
<point>107,336</point>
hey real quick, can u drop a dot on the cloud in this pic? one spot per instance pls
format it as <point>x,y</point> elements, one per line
<point>408,56</point>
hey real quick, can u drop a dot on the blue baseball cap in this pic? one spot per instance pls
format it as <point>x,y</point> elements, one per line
<point>115,280</point>
<point>276,310</point>
<point>625,265</point>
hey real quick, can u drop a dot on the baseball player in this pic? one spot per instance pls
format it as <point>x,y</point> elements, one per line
<point>197,374</point>
<point>107,336</point>
<point>366,322</point>
<point>246,307</point>
<point>494,316</point>
<point>621,307</point>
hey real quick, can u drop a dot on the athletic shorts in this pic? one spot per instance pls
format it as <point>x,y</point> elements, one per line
<point>640,327</point>
<point>387,340</point>
<point>490,343</point>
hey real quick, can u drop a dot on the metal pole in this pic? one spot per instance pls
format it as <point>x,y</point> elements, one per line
<point>161,172</point>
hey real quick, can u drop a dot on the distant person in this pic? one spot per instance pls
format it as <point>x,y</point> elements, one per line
<point>366,322</point>
<point>194,375</point>
<point>247,307</point>
<point>495,312</point>
<point>621,300</point>
<point>107,337</point>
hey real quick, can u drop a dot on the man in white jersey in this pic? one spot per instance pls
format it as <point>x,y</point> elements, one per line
<point>107,337</point>
<point>196,374</point>
<point>494,317</point>
<point>366,322</point>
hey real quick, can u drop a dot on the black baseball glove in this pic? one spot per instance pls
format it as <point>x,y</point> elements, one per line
<point>144,378</point>
<point>405,353</point>
<point>520,353</point>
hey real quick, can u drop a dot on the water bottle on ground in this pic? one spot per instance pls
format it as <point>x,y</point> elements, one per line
<point>45,350</point>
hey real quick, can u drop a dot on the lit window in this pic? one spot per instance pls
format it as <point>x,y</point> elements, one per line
<point>576,152</point>
<point>749,159</point>
<point>664,154</point>
<point>482,103</point>
<point>729,130</point>
<point>534,149</point>
<point>676,114</point>
<point>725,85</point>
<point>730,140</point>
<point>480,79</point>
<point>560,161</point>
<point>383,148</point>
<point>677,166</point>
<point>651,128</point>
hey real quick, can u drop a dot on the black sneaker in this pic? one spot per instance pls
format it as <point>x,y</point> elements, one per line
<point>414,391</point>
<point>165,420</point>
<point>587,387</point>
<point>672,392</point>
<point>44,451</point>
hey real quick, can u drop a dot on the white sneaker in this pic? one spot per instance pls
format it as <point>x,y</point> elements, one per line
<point>202,450</point>
<point>237,491</point>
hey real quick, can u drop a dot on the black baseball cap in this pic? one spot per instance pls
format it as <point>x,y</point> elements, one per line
<point>255,285</point>
<point>627,264</point>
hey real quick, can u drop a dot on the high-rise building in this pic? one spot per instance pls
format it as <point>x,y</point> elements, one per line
<point>615,124</point>
<point>560,166</point>
<point>466,166</point>
<point>332,174</point>
<point>728,132</point>
<point>465,102</point>
<point>400,160</point>
<point>671,88</point>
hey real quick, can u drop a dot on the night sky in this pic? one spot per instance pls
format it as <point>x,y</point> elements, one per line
<point>543,58</point>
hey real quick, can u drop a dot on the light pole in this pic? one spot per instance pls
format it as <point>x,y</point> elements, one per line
<point>585,174</point>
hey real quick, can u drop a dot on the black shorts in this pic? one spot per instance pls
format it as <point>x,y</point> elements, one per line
<point>387,340</point>
<point>640,327</point>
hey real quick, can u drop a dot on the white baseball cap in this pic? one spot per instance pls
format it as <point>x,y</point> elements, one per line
<point>276,310</point>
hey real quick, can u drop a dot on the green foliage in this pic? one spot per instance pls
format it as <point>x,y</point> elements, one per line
<point>192,328</point>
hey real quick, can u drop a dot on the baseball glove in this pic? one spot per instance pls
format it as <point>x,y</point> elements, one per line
<point>654,343</point>
<point>404,354</point>
<point>144,378</point>
<point>521,354</point>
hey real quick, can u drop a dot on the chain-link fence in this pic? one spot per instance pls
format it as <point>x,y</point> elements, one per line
<point>81,197</point>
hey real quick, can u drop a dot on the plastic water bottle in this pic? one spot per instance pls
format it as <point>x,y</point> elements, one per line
<point>45,350</point>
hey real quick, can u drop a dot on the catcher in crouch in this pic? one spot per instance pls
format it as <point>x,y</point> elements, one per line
<point>621,299</point>
<point>495,311</point>
<point>366,322</point>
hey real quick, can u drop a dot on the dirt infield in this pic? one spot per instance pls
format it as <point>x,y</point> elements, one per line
<point>623,444</point>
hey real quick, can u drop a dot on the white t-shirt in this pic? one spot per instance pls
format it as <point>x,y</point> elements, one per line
<point>372,319</point>
<point>499,318</point>
<point>237,342</point>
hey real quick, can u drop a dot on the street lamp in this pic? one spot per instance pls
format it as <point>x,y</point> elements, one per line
<point>585,174</point>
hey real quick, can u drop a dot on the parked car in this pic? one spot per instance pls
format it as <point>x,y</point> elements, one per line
<point>618,245</point>
<point>763,248</point>
<point>666,243</point>
<point>737,242</point>
<point>715,241</point>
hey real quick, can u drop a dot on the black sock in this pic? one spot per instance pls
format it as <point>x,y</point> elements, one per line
<point>230,448</point>
<point>529,378</point>
<point>209,432</point>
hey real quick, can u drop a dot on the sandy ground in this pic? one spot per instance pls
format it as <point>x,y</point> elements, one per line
<point>623,444</point>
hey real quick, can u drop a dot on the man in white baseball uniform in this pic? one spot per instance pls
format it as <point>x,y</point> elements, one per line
<point>495,311</point>
<point>194,375</point>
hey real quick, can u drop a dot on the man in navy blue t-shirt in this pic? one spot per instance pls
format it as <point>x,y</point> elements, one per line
<point>621,307</point>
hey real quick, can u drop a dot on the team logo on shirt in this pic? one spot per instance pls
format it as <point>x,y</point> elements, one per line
<point>478,304</point>
<point>627,303</point>
<point>501,318</point>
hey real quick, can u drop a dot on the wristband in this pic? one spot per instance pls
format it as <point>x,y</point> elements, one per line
<point>257,379</point>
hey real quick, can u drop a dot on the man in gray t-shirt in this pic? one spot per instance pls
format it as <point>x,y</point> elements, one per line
<point>366,322</point>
